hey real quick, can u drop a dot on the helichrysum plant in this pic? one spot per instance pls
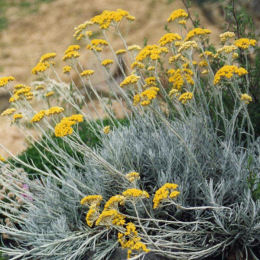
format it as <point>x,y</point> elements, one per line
<point>176,181</point>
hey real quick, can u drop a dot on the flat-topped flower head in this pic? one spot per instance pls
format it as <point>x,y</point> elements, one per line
<point>226,36</point>
<point>227,49</point>
<point>137,65</point>
<point>114,201</point>
<point>187,45</point>
<point>168,190</point>
<point>177,14</point>
<point>40,67</point>
<point>120,51</point>
<point>38,116</point>
<point>17,116</point>
<point>86,73</point>
<point>228,71</point>
<point>185,97</point>
<point>5,80</point>
<point>110,217</point>
<point>71,48</point>
<point>245,43</point>
<point>66,69</point>
<point>169,38</point>
<point>133,176</point>
<point>151,51</point>
<point>246,98</point>
<point>71,55</point>
<point>48,56</point>
<point>134,47</point>
<point>107,62</point>
<point>97,45</point>
<point>196,32</point>
<point>78,31</point>
<point>106,129</point>
<point>129,80</point>
<point>135,193</point>
<point>54,110</point>
<point>91,200</point>
<point>8,111</point>
<point>92,216</point>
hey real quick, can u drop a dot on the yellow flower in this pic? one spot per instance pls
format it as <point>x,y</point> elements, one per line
<point>113,202</point>
<point>227,49</point>
<point>133,176</point>
<point>151,51</point>
<point>150,81</point>
<point>8,111</point>
<point>185,97</point>
<point>203,63</point>
<point>92,216</point>
<point>71,55</point>
<point>137,64</point>
<point>50,93</point>
<point>40,67</point>
<point>106,129</point>
<point>179,13</point>
<point>5,80</point>
<point>132,79</point>
<point>226,36</point>
<point>182,22</point>
<point>107,62</point>
<point>168,38</point>
<point>66,69</point>
<point>2,159</point>
<point>187,45</point>
<point>134,47</point>
<point>80,28</point>
<point>246,98</point>
<point>196,32</point>
<point>228,71</point>
<point>91,200</point>
<point>17,116</point>
<point>245,43</point>
<point>54,110</point>
<point>87,73</point>
<point>135,193</point>
<point>177,57</point>
<point>131,241</point>
<point>38,117</point>
<point>14,98</point>
<point>39,87</point>
<point>120,51</point>
<point>146,96</point>
<point>72,48</point>
<point>110,217</point>
<point>48,56</point>
<point>174,91</point>
<point>107,18</point>
<point>165,192</point>
<point>96,44</point>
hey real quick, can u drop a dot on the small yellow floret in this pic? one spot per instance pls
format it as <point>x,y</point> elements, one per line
<point>246,98</point>
<point>8,111</point>
<point>5,80</point>
<point>185,97</point>
<point>106,129</point>
<point>179,13</point>
<point>135,193</point>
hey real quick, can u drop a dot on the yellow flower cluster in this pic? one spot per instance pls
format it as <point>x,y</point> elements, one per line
<point>137,64</point>
<point>48,56</point>
<point>227,71</point>
<point>133,176</point>
<point>20,91</point>
<point>177,57</point>
<point>40,67</point>
<point>120,51</point>
<point>168,190</point>
<point>131,79</point>
<point>146,96</point>
<point>135,193</point>
<point>92,216</point>
<point>39,87</point>
<point>168,38</point>
<point>134,47</point>
<point>113,202</point>
<point>131,241</point>
<point>150,81</point>
<point>196,32</point>
<point>71,52</point>
<point>107,18</point>
<point>151,51</point>
<point>5,80</point>
<point>87,73</point>
<point>245,43</point>
<point>187,45</point>
<point>8,111</point>
<point>179,13</point>
<point>17,116</point>
<point>91,200</point>
<point>2,159</point>
<point>226,36</point>
<point>185,97</point>
<point>227,49</point>
<point>66,69</point>
<point>107,62</point>
<point>246,98</point>
<point>65,126</point>
<point>97,44</point>
<point>110,217</point>
<point>38,116</point>
<point>78,31</point>
<point>179,76</point>
<point>49,94</point>
<point>106,129</point>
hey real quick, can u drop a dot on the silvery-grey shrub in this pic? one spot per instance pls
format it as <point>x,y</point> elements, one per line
<point>217,211</point>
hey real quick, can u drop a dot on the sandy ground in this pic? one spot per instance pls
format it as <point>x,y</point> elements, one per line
<point>51,28</point>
